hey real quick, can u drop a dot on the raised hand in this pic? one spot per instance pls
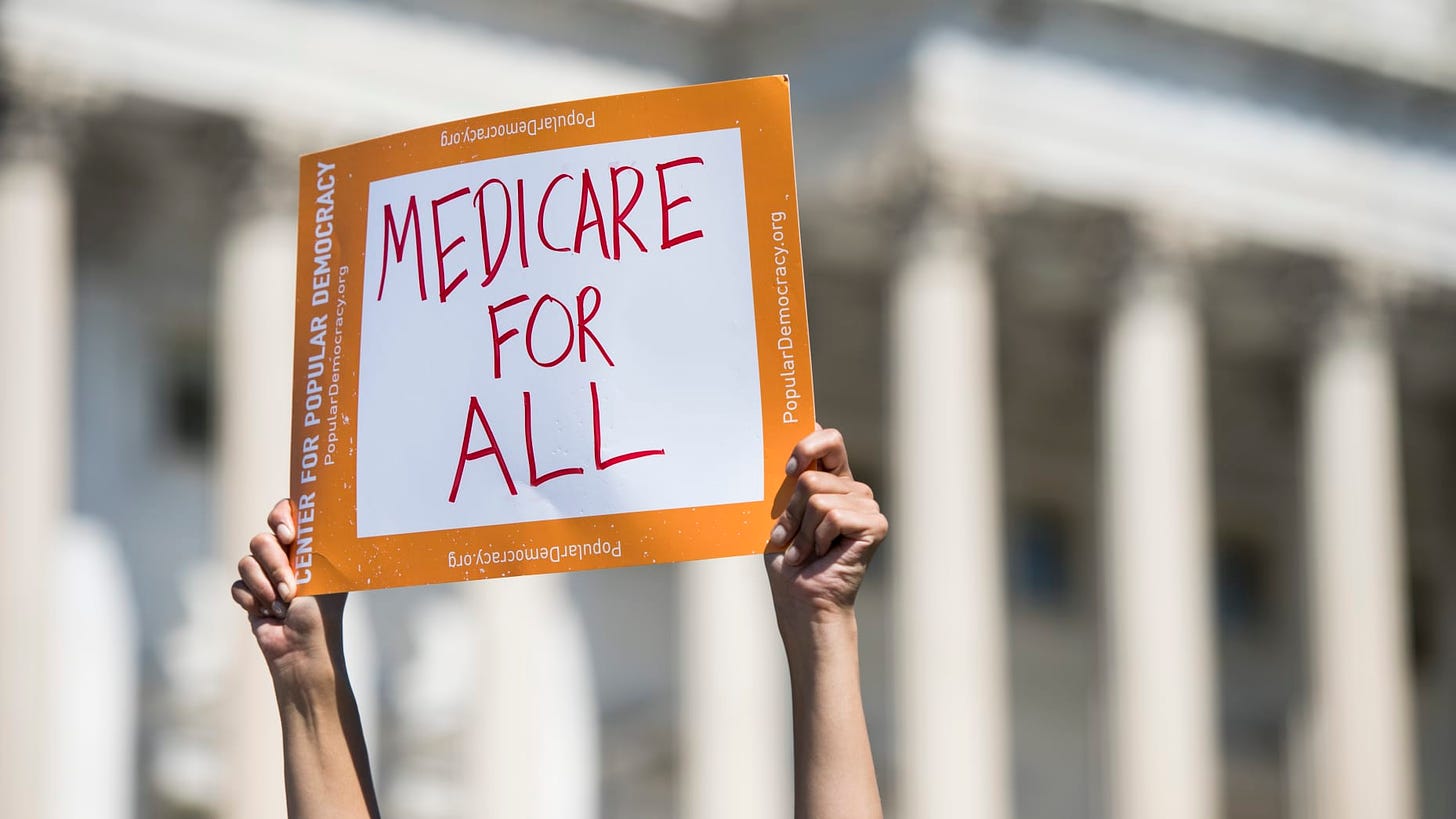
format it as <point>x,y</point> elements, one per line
<point>326,764</point>
<point>831,528</point>
<point>295,634</point>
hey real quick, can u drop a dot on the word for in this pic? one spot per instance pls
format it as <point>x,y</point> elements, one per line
<point>577,329</point>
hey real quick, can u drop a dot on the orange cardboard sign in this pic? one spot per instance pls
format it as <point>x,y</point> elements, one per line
<point>561,338</point>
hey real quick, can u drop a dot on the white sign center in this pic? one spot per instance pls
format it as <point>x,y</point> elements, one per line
<point>593,348</point>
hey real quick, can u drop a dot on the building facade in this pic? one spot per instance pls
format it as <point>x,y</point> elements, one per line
<point>1138,314</point>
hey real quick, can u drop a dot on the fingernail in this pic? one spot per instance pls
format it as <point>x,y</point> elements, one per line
<point>791,554</point>
<point>278,609</point>
<point>285,533</point>
<point>792,466</point>
<point>776,537</point>
<point>283,591</point>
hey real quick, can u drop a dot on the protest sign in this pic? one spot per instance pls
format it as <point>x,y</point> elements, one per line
<point>561,338</point>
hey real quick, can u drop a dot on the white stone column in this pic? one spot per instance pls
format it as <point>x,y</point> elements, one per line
<point>950,664</point>
<point>255,296</point>
<point>530,739</point>
<point>35,417</point>
<point>95,675</point>
<point>737,745</point>
<point>1362,743</point>
<point>1161,671</point>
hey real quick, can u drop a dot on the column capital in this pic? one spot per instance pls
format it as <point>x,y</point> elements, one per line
<point>1165,258</point>
<point>1354,306</point>
<point>957,216</point>
<point>43,111</point>
<point>975,192</point>
<point>268,171</point>
<point>938,227</point>
<point>37,127</point>
<point>1350,314</point>
<point>1178,238</point>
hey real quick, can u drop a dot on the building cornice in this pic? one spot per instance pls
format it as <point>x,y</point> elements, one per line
<point>351,70</point>
<point>1407,41</point>
<point>1068,129</point>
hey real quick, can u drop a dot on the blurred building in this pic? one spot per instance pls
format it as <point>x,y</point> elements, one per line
<point>1140,314</point>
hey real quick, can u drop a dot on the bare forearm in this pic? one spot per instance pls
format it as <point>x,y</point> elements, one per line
<point>834,772</point>
<point>326,763</point>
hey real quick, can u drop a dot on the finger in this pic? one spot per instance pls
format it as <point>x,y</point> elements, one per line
<point>854,521</point>
<point>824,446</point>
<point>818,506</point>
<point>243,597</point>
<point>832,515</point>
<point>815,482</point>
<point>783,533</point>
<point>274,560</point>
<point>257,583</point>
<point>789,522</point>
<point>280,521</point>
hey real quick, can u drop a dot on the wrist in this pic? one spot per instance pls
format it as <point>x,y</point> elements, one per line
<point>817,635</point>
<point>306,672</point>
<point>316,654</point>
<point>307,698</point>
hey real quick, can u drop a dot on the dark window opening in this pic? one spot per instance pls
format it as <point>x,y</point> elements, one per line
<point>188,393</point>
<point>1040,563</point>
<point>1242,591</point>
